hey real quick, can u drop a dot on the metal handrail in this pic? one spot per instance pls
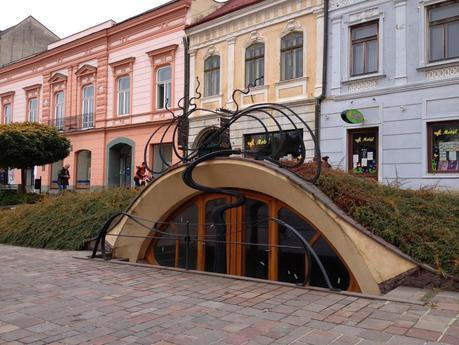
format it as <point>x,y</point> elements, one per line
<point>308,250</point>
<point>72,123</point>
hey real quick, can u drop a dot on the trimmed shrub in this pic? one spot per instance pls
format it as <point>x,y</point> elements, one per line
<point>64,221</point>
<point>8,198</point>
<point>422,223</point>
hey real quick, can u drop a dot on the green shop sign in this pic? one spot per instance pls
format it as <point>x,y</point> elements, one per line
<point>352,116</point>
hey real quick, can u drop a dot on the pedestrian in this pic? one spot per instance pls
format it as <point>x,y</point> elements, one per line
<point>63,177</point>
<point>139,177</point>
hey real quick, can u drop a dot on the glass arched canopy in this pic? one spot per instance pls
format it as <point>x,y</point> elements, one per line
<point>255,246</point>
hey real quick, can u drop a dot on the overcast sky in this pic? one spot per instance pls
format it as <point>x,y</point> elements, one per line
<point>66,17</point>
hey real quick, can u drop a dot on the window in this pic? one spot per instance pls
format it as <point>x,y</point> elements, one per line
<point>363,152</point>
<point>292,56</point>
<point>59,110</point>
<point>124,95</point>
<point>88,106</point>
<point>33,110</point>
<point>255,64</point>
<point>443,138</point>
<point>163,87</point>
<point>7,114</point>
<point>83,173</point>
<point>212,76</point>
<point>364,48</point>
<point>286,147</point>
<point>162,154</point>
<point>444,30</point>
<point>250,245</point>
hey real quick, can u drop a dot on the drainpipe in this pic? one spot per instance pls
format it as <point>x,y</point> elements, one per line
<point>322,95</point>
<point>186,92</point>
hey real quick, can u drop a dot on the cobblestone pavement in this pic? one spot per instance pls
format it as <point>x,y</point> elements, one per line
<point>49,297</point>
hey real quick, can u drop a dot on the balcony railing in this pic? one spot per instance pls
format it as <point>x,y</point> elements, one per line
<point>72,123</point>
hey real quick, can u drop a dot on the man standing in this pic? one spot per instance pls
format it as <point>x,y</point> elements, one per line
<point>63,177</point>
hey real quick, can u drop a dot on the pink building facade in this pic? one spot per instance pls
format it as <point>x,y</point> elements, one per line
<point>106,89</point>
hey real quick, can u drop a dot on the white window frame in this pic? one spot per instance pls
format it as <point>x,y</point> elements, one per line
<point>264,63</point>
<point>424,44</point>
<point>167,88</point>
<point>219,76</point>
<point>359,18</point>
<point>125,95</point>
<point>7,113</point>
<point>87,107</point>
<point>59,110</point>
<point>303,55</point>
<point>32,113</point>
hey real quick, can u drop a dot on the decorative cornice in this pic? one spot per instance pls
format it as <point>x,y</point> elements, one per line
<point>127,61</point>
<point>57,77</point>
<point>86,69</point>
<point>163,50</point>
<point>443,73</point>
<point>272,13</point>
<point>364,85</point>
<point>7,94</point>
<point>32,87</point>
<point>211,51</point>
<point>396,89</point>
<point>292,25</point>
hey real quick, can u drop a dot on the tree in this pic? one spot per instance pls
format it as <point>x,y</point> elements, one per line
<point>25,145</point>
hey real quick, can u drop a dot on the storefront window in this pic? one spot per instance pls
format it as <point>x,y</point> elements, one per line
<point>272,145</point>
<point>444,147</point>
<point>363,151</point>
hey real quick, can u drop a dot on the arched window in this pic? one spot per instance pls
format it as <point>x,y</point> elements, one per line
<point>255,64</point>
<point>124,95</point>
<point>59,109</point>
<point>88,106</point>
<point>83,174</point>
<point>292,56</point>
<point>212,76</point>
<point>254,244</point>
<point>163,87</point>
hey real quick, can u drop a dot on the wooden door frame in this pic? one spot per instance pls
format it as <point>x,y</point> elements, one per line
<point>350,153</point>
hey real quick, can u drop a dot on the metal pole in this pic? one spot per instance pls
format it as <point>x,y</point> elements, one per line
<point>187,244</point>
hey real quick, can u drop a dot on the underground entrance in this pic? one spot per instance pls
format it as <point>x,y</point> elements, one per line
<point>254,243</point>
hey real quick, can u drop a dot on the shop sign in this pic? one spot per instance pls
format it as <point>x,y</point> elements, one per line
<point>353,116</point>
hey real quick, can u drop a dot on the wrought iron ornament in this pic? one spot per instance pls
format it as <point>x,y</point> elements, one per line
<point>218,144</point>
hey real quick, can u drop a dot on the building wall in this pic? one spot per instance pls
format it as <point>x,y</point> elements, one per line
<point>24,39</point>
<point>136,47</point>
<point>230,35</point>
<point>400,99</point>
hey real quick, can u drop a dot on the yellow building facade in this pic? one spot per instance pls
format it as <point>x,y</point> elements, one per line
<point>280,42</point>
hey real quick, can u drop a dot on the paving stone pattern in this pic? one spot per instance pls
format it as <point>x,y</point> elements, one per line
<point>48,297</point>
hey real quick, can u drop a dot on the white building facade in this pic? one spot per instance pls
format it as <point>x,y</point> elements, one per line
<point>394,66</point>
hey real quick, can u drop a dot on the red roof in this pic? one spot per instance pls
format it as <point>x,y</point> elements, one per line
<point>228,7</point>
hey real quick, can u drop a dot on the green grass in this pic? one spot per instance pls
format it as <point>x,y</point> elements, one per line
<point>9,198</point>
<point>422,223</point>
<point>62,222</point>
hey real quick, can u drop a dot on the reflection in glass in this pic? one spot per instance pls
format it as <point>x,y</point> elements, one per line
<point>211,234</point>
<point>256,257</point>
<point>170,250</point>
<point>292,261</point>
<point>336,270</point>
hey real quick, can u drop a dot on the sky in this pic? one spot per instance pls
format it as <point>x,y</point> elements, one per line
<point>66,17</point>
